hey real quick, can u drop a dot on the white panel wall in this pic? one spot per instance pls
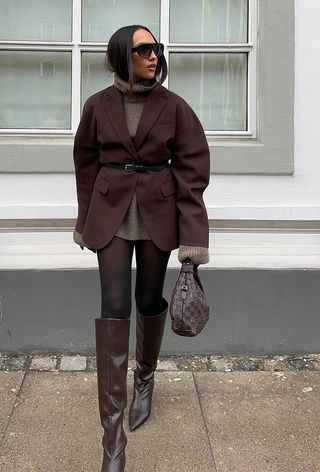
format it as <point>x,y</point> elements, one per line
<point>294,197</point>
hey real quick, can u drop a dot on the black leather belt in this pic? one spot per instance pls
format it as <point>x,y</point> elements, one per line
<point>138,167</point>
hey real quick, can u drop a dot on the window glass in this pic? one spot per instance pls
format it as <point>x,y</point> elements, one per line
<point>35,89</point>
<point>101,18</point>
<point>34,20</point>
<point>208,21</point>
<point>95,75</point>
<point>215,86</point>
<point>35,86</point>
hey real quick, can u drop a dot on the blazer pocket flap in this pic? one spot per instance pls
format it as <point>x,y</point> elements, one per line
<point>168,188</point>
<point>102,185</point>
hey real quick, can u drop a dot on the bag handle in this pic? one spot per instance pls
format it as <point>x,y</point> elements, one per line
<point>189,266</point>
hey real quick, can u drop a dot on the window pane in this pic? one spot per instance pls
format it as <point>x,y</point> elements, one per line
<point>208,21</point>
<point>95,75</point>
<point>101,18</point>
<point>215,86</point>
<point>35,89</point>
<point>45,20</point>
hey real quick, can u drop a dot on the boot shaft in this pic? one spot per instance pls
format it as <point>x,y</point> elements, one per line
<point>112,346</point>
<point>149,334</point>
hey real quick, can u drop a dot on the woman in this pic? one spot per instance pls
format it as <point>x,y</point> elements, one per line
<point>131,196</point>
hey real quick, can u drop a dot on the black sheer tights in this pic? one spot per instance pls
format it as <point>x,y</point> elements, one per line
<point>115,261</point>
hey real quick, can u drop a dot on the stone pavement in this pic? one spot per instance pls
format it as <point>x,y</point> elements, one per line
<point>210,414</point>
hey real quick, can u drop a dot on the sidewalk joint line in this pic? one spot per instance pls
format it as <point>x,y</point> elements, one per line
<point>205,424</point>
<point>14,404</point>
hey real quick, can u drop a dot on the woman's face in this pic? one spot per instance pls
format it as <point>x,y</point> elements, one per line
<point>143,68</point>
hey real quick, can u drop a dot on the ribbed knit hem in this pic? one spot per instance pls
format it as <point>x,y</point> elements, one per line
<point>133,234</point>
<point>198,254</point>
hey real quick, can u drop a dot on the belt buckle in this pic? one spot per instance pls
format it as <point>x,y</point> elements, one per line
<point>129,167</point>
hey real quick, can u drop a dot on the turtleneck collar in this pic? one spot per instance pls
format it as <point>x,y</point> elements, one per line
<point>142,85</point>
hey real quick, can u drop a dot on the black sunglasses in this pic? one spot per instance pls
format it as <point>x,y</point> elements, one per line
<point>145,50</point>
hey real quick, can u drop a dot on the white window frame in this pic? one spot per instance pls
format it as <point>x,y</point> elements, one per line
<point>250,48</point>
<point>77,47</point>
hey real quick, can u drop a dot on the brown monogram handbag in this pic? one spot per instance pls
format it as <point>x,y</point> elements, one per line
<point>189,309</point>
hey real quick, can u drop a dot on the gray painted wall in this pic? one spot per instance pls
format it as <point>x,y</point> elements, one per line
<point>252,312</point>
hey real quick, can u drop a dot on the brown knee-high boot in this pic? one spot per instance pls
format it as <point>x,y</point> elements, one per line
<point>149,334</point>
<point>112,344</point>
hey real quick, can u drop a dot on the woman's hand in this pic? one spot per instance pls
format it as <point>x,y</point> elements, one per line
<point>77,238</point>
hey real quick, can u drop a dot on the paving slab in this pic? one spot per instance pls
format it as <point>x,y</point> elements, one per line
<point>14,363</point>
<point>174,438</point>
<point>73,363</point>
<point>166,365</point>
<point>55,427</point>
<point>262,421</point>
<point>43,363</point>
<point>10,383</point>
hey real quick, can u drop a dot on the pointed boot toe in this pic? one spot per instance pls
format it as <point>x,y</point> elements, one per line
<point>149,332</point>
<point>141,404</point>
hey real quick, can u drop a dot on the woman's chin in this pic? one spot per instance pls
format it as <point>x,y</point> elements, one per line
<point>148,75</point>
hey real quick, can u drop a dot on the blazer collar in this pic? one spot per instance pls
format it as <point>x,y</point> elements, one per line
<point>153,106</point>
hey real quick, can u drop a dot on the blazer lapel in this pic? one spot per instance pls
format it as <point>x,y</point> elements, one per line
<point>153,106</point>
<point>115,112</point>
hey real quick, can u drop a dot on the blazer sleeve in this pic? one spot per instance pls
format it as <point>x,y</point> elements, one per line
<point>190,165</point>
<point>86,161</point>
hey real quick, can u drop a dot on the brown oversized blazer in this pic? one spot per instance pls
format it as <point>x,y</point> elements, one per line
<point>171,200</point>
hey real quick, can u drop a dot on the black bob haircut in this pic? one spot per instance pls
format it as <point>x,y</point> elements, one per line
<point>118,57</point>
